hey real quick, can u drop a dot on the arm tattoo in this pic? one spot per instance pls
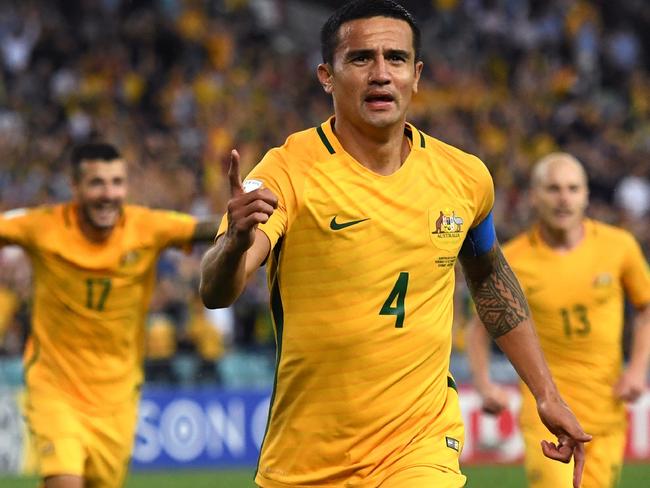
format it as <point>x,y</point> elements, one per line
<point>499,299</point>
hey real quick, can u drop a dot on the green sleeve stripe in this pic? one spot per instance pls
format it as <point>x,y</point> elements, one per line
<point>33,359</point>
<point>451,383</point>
<point>277,312</point>
<point>324,140</point>
<point>422,143</point>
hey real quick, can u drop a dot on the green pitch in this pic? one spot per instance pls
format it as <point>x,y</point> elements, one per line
<point>634,476</point>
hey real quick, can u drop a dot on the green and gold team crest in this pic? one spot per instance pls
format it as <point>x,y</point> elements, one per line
<point>130,258</point>
<point>446,228</point>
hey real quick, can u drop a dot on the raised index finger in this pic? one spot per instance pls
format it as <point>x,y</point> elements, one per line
<point>578,464</point>
<point>233,174</point>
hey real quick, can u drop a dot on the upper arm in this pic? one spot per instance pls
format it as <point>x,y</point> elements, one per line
<point>499,300</point>
<point>643,314</point>
<point>477,268</point>
<point>169,228</point>
<point>636,275</point>
<point>477,255</point>
<point>258,253</point>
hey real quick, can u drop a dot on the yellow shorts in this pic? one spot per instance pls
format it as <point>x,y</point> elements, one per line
<point>429,461</point>
<point>603,460</point>
<point>424,477</point>
<point>445,450</point>
<point>67,440</point>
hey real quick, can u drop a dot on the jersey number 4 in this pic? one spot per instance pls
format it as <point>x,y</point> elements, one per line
<point>97,290</point>
<point>394,304</point>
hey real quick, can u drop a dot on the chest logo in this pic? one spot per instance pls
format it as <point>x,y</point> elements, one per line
<point>448,223</point>
<point>446,228</point>
<point>130,258</point>
<point>334,225</point>
<point>603,280</point>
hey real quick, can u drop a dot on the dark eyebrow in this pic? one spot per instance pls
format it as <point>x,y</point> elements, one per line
<point>367,53</point>
<point>399,53</point>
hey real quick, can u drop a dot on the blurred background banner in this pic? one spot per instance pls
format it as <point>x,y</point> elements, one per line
<point>496,439</point>
<point>223,429</point>
<point>200,429</point>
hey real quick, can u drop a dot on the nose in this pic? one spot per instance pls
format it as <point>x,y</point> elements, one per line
<point>564,195</point>
<point>379,74</point>
<point>112,191</point>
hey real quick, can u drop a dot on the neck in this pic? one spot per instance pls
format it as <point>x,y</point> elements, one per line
<point>562,240</point>
<point>382,151</point>
<point>89,231</point>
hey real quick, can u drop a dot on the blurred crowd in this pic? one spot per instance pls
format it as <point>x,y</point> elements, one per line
<point>175,84</point>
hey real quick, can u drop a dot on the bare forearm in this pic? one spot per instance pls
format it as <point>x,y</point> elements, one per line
<point>478,353</point>
<point>223,275</point>
<point>524,352</point>
<point>640,354</point>
<point>502,307</point>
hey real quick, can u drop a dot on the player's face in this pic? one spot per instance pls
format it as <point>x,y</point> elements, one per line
<point>100,192</point>
<point>560,196</point>
<point>373,75</point>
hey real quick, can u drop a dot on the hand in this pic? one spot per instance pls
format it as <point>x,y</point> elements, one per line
<point>246,210</point>
<point>494,397</point>
<point>559,419</point>
<point>630,385</point>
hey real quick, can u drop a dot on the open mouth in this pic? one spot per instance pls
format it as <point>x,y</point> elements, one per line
<point>106,211</point>
<point>563,213</point>
<point>379,99</point>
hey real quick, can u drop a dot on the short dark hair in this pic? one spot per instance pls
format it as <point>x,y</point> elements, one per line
<point>91,151</point>
<point>364,9</point>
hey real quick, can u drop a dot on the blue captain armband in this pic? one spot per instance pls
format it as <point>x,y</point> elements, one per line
<point>480,239</point>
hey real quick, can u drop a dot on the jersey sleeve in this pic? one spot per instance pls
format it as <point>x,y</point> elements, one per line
<point>484,193</point>
<point>636,273</point>
<point>271,172</point>
<point>481,235</point>
<point>17,227</point>
<point>172,228</point>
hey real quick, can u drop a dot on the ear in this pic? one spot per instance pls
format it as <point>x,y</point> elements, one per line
<point>418,72</point>
<point>324,73</point>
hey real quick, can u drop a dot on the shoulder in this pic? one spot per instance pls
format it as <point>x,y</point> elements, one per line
<point>453,163</point>
<point>451,154</point>
<point>609,236</point>
<point>302,148</point>
<point>137,212</point>
<point>519,245</point>
<point>299,154</point>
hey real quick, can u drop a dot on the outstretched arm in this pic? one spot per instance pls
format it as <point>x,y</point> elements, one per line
<point>206,230</point>
<point>502,307</point>
<point>633,381</point>
<point>493,396</point>
<point>226,266</point>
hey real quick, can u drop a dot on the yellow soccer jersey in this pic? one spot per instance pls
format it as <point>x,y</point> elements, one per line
<point>576,300</point>
<point>362,278</point>
<point>90,300</point>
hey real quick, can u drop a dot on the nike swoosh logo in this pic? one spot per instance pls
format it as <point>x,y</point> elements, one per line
<point>334,225</point>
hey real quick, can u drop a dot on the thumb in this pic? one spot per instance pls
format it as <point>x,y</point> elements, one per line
<point>577,434</point>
